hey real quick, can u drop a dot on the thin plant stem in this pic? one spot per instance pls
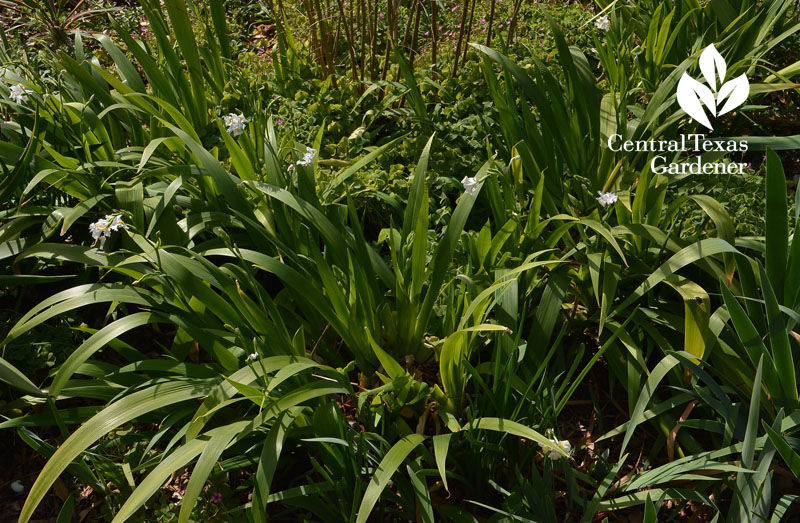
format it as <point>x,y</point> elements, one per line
<point>435,33</point>
<point>414,38</point>
<point>362,25</point>
<point>373,39</point>
<point>491,24</point>
<point>461,31</point>
<point>469,30</point>
<point>389,42</point>
<point>513,27</point>
<point>313,28</point>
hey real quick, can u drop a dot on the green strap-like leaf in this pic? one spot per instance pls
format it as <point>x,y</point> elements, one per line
<point>692,253</point>
<point>512,427</point>
<point>784,449</point>
<point>208,458</point>
<point>777,224</point>
<point>268,463</point>
<point>116,414</point>
<point>350,171</point>
<point>440,445</point>
<point>661,370</point>
<point>388,466</point>
<point>95,343</point>
<point>11,375</point>
<point>177,459</point>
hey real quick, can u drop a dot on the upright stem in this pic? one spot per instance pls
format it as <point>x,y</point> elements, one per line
<point>407,33</point>
<point>374,39</point>
<point>281,31</point>
<point>491,24</point>
<point>314,40</point>
<point>362,24</point>
<point>469,31</point>
<point>351,24</point>
<point>513,23</point>
<point>414,37</point>
<point>435,33</point>
<point>325,39</point>
<point>389,41</point>
<point>462,28</point>
<point>340,21</point>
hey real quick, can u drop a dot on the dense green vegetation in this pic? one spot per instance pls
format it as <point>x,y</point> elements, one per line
<point>376,261</point>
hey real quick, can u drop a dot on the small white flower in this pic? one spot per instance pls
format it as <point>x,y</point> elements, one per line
<point>235,123</point>
<point>564,445</point>
<point>607,198</point>
<point>17,487</point>
<point>513,158</point>
<point>116,223</point>
<point>252,357</point>
<point>308,158</point>
<point>102,228</point>
<point>470,184</point>
<point>602,23</point>
<point>19,93</point>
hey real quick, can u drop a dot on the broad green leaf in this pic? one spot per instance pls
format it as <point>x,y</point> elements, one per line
<point>350,171</point>
<point>784,449</point>
<point>723,223</point>
<point>441,443</point>
<point>697,311</point>
<point>156,478</point>
<point>202,469</point>
<point>452,370</point>
<point>183,33</point>
<point>514,428</point>
<point>14,377</point>
<point>751,340</point>
<point>779,343</point>
<point>95,343</point>
<point>687,255</point>
<point>444,252</point>
<point>126,409</point>
<point>777,224</point>
<point>268,463</point>
<point>783,505</point>
<point>386,469</point>
<point>637,417</point>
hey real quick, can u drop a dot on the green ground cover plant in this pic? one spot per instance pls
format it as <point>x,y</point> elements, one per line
<point>369,261</point>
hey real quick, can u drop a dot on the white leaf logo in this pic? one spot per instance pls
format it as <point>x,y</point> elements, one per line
<point>691,92</point>
<point>713,66</point>
<point>736,91</point>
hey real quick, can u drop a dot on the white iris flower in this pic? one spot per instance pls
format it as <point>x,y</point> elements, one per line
<point>564,445</point>
<point>607,198</point>
<point>235,123</point>
<point>308,158</point>
<point>470,184</point>
<point>102,228</point>
<point>19,94</point>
